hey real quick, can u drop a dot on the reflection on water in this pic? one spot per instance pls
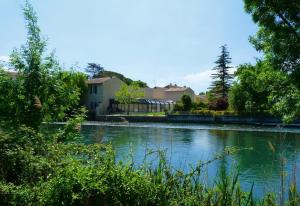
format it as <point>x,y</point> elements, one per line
<point>186,145</point>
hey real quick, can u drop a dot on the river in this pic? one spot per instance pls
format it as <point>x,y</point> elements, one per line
<point>185,144</point>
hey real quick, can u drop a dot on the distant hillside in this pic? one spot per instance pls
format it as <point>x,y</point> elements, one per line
<point>122,77</point>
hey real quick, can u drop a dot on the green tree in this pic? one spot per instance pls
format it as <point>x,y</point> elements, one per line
<point>94,70</point>
<point>260,88</point>
<point>250,92</point>
<point>40,92</point>
<point>279,33</point>
<point>128,81</point>
<point>222,78</point>
<point>278,38</point>
<point>187,102</point>
<point>73,81</point>
<point>128,94</point>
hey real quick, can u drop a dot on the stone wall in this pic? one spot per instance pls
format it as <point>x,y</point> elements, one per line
<point>197,119</point>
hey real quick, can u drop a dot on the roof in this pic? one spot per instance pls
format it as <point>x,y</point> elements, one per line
<point>98,80</point>
<point>12,73</point>
<point>177,89</point>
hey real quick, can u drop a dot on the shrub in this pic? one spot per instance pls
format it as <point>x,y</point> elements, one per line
<point>218,104</point>
<point>187,102</point>
<point>178,106</point>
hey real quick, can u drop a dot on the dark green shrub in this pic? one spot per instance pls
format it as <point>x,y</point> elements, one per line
<point>178,106</point>
<point>218,104</point>
<point>187,102</point>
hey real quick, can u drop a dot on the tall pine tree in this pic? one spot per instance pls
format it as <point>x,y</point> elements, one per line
<point>222,78</point>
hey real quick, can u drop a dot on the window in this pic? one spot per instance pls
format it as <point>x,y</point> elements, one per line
<point>91,89</point>
<point>95,89</point>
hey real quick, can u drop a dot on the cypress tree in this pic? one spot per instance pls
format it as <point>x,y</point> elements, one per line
<point>222,78</point>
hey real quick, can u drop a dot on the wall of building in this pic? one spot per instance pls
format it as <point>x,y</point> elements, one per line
<point>110,87</point>
<point>263,121</point>
<point>163,93</point>
<point>154,93</point>
<point>98,102</point>
<point>94,100</point>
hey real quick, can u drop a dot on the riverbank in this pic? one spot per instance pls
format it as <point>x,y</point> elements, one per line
<point>224,119</point>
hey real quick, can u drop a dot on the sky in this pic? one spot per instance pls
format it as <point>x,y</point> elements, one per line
<point>156,41</point>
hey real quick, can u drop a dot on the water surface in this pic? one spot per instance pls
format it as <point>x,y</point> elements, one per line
<point>186,144</point>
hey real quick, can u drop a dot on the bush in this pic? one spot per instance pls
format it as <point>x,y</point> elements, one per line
<point>178,106</point>
<point>187,102</point>
<point>218,104</point>
<point>206,112</point>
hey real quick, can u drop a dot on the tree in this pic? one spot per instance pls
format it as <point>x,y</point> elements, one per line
<point>279,33</point>
<point>128,94</point>
<point>222,78</point>
<point>75,80</point>
<point>187,102</point>
<point>94,70</point>
<point>128,81</point>
<point>251,90</point>
<point>261,89</point>
<point>278,38</point>
<point>39,93</point>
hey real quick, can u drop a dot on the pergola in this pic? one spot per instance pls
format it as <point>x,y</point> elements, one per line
<point>142,105</point>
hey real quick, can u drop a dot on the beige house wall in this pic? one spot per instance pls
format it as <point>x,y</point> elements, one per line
<point>93,97</point>
<point>162,93</point>
<point>110,87</point>
<point>105,91</point>
<point>154,93</point>
<point>176,95</point>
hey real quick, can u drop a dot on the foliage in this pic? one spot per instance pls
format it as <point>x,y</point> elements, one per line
<point>187,102</point>
<point>129,93</point>
<point>199,105</point>
<point>178,106</point>
<point>218,104</point>
<point>279,33</point>
<point>75,80</point>
<point>250,92</point>
<point>140,83</point>
<point>128,81</point>
<point>278,38</point>
<point>41,91</point>
<point>202,105</point>
<point>222,78</point>
<point>94,70</point>
<point>40,169</point>
<point>259,88</point>
<point>68,173</point>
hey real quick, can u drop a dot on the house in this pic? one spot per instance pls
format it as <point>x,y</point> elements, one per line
<point>100,92</point>
<point>170,92</point>
<point>101,97</point>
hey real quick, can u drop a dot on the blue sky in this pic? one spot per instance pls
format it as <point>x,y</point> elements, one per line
<point>156,41</point>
